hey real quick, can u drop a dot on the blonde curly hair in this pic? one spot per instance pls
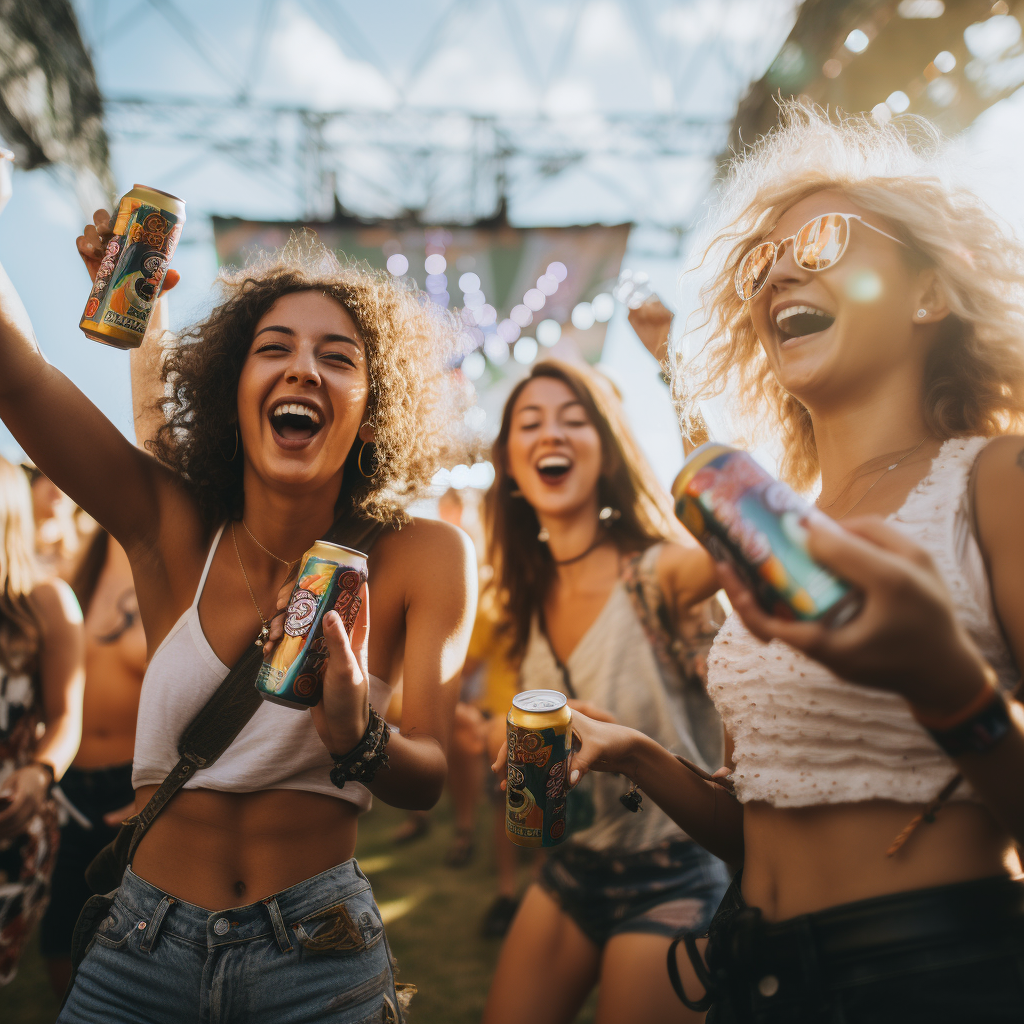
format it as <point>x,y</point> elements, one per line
<point>417,397</point>
<point>974,375</point>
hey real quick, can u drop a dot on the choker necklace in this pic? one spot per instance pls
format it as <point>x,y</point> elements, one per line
<point>264,549</point>
<point>601,538</point>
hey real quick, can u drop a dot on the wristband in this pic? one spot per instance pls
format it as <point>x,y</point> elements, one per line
<point>366,758</point>
<point>980,732</point>
<point>48,768</point>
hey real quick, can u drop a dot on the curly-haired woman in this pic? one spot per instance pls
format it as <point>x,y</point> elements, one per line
<point>600,585</point>
<point>313,391</point>
<point>871,313</point>
<point>41,681</point>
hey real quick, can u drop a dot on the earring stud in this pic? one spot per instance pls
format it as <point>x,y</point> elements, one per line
<point>922,312</point>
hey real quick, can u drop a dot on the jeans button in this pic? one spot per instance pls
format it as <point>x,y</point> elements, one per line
<point>222,926</point>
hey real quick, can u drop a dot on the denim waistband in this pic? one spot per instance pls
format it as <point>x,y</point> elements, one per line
<point>159,911</point>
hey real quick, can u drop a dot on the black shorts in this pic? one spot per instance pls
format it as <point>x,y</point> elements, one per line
<point>94,792</point>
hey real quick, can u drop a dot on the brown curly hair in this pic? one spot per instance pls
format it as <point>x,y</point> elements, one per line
<point>974,375</point>
<point>417,399</point>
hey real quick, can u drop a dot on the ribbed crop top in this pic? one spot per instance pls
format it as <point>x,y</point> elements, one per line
<point>801,736</point>
<point>279,748</point>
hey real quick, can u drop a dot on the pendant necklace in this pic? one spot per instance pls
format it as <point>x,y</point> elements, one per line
<point>884,472</point>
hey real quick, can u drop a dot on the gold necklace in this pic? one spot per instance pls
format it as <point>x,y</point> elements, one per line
<point>879,477</point>
<point>265,631</point>
<point>265,549</point>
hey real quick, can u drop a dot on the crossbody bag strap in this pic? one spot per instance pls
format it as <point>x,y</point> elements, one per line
<point>235,701</point>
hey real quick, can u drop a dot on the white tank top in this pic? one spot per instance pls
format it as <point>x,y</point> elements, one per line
<point>279,747</point>
<point>615,667</point>
<point>801,735</point>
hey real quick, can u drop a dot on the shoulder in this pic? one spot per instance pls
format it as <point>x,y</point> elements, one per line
<point>432,539</point>
<point>999,490</point>
<point>55,605</point>
<point>686,572</point>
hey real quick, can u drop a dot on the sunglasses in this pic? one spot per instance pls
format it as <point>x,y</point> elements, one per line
<point>818,245</point>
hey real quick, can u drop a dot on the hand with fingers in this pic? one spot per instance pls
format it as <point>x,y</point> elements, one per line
<point>92,244</point>
<point>906,638</point>
<point>23,793</point>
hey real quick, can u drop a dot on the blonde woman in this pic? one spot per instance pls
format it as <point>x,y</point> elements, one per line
<point>312,392</point>
<point>869,313</point>
<point>42,678</point>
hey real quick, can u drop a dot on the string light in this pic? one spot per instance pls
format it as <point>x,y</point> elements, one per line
<point>397,264</point>
<point>549,332</point>
<point>583,316</point>
<point>525,351</point>
<point>534,299</point>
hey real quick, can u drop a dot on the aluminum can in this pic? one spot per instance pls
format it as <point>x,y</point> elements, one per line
<point>330,577</point>
<point>745,517</point>
<point>127,285</point>
<point>539,731</point>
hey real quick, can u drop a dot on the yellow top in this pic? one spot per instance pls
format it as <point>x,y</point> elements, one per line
<point>501,679</point>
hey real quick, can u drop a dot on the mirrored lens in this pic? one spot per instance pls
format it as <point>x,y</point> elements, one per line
<point>820,242</point>
<point>754,269</point>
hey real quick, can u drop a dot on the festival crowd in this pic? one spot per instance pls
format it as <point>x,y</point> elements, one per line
<point>770,820</point>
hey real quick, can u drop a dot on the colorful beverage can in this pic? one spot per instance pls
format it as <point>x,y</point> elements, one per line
<point>539,740</point>
<point>330,577</point>
<point>745,517</point>
<point>127,285</point>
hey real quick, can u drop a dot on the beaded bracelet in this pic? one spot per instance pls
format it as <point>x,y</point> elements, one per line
<point>367,757</point>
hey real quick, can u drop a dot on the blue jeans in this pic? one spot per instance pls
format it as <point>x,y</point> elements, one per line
<point>314,952</point>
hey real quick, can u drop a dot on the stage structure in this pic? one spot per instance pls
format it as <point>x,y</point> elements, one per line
<point>945,59</point>
<point>518,291</point>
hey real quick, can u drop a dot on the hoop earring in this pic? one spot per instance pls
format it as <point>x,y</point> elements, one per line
<point>234,454</point>
<point>515,492</point>
<point>359,461</point>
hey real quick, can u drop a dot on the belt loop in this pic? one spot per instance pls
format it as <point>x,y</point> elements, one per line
<point>280,932</point>
<point>155,923</point>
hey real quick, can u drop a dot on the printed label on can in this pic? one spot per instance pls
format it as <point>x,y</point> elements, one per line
<point>743,516</point>
<point>535,803</point>
<point>132,269</point>
<point>295,669</point>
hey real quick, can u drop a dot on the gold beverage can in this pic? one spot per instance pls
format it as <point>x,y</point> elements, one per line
<point>539,731</point>
<point>331,577</point>
<point>127,285</point>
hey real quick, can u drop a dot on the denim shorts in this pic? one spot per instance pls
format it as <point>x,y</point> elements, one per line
<point>314,952</point>
<point>668,890</point>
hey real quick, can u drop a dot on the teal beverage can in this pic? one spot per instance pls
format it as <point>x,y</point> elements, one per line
<point>330,577</point>
<point>747,518</point>
<point>539,733</point>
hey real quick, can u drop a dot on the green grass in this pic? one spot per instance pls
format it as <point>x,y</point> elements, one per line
<point>433,923</point>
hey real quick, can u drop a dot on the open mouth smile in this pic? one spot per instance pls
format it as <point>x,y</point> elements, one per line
<point>295,421</point>
<point>554,468</point>
<point>801,321</point>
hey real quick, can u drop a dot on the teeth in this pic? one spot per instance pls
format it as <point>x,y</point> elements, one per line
<point>789,311</point>
<point>297,409</point>
<point>550,461</point>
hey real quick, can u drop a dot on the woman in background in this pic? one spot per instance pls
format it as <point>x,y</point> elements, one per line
<point>598,579</point>
<point>41,681</point>
<point>98,785</point>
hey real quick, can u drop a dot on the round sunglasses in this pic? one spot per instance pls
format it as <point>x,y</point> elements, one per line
<point>818,245</point>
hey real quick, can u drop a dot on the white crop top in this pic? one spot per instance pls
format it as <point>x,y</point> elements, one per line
<point>801,735</point>
<point>279,747</point>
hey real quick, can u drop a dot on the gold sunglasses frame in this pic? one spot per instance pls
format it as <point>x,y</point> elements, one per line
<point>777,248</point>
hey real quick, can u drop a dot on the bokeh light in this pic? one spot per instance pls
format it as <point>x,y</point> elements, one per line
<point>485,315</point>
<point>864,286</point>
<point>547,284</point>
<point>583,316</point>
<point>897,101</point>
<point>397,264</point>
<point>558,271</point>
<point>474,300</point>
<point>534,299</point>
<point>881,113</point>
<point>521,315</point>
<point>508,331</point>
<point>496,350</point>
<point>945,61</point>
<point>526,350</point>
<point>469,282</point>
<point>473,365</point>
<point>857,41</point>
<point>548,332</point>
<point>435,264</point>
<point>437,282</point>
<point>603,306</point>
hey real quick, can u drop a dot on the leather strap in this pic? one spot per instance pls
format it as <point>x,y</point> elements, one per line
<point>234,702</point>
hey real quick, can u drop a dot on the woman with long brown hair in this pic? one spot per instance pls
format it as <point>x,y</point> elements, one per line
<point>603,593</point>
<point>41,682</point>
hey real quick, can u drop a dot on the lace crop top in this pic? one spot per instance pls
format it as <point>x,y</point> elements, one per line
<point>278,748</point>
<point>802,736</point>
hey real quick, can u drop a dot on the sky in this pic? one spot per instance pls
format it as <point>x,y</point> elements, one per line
<point>693,58</point>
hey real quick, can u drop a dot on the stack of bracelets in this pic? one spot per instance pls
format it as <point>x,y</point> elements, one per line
<point>975,728</point>
<point>366,758</point>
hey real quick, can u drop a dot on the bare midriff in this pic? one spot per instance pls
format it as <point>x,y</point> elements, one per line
<point>801,860</point>
<point>222,850</point>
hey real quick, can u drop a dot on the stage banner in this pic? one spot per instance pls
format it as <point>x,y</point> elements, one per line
<point>507,261</point>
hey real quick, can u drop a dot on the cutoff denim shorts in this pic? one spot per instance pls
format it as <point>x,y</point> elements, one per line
<point>314,952</point>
